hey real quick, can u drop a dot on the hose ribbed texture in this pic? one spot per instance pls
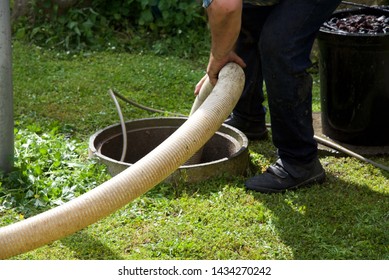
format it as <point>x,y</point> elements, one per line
<point>205,91</point>
<point>136,180</point>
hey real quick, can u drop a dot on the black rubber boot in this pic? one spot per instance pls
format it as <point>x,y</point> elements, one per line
<point>282,176</point>
<point>253,130</point>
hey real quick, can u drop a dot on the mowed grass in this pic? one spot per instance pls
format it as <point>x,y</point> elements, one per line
<point>347,217</point>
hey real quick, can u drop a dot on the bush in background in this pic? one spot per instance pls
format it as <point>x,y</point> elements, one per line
<point>102,24</point>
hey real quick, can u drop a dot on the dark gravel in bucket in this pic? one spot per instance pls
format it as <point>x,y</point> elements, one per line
<point>360,24</point>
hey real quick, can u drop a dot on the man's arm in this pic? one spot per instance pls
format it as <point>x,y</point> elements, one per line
<point>224,18</point>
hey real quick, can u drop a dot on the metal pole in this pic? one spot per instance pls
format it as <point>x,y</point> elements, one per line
<point>6,93</point>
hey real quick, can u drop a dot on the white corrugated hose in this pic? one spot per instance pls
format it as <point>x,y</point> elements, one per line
<point>142,176</point>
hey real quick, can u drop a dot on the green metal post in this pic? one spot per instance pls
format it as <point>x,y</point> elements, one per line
<point>6,93</point>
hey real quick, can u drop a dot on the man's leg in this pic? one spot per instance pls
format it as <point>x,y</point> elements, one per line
<point>249,113</point>
<point>285,45</point>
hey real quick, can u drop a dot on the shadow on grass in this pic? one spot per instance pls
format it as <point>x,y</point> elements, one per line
<point>86,247</point>
<point>336,220</point>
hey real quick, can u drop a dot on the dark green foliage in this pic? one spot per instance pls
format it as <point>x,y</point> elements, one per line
<point>114,24</point>
<point>166,16</point>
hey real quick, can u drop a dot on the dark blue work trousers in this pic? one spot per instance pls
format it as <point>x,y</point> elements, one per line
<point>276,42</point>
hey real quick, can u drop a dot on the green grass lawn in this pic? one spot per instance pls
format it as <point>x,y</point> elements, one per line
<point>60,100</point>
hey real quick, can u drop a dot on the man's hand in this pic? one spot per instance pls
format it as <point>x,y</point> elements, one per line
<point>214,67</point>
<point>216,64</point>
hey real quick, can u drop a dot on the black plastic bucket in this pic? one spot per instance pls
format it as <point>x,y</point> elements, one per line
<point>354,84</point>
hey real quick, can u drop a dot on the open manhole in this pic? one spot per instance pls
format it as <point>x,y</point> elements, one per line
<point>224,154</point>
